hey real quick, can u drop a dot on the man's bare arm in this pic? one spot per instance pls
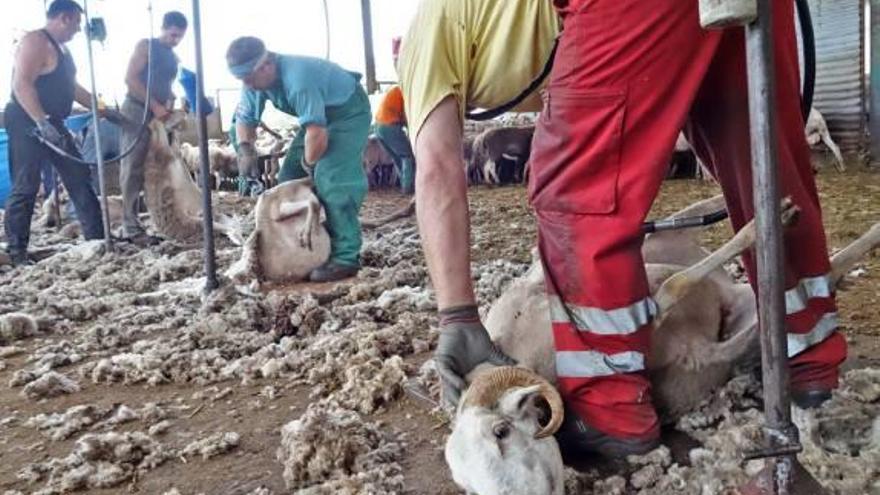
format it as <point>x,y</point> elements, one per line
<point>136,64</point>
<point>83,96</point>
<point>31,58</point>
<point>316,143</point>
<point>442,205</point>
<point>245,133</point>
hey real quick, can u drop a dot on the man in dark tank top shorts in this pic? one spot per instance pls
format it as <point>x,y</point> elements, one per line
<point>44,88</point>
<point>164,70</point>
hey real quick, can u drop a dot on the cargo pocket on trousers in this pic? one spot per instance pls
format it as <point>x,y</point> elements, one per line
<point>575,161</point>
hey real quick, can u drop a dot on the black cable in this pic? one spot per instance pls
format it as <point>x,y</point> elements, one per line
<point>808,43</point>
<point>533,86</point>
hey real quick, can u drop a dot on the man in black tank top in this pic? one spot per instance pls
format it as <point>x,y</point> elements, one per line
<point>163,71</point>
<point>44,88</point>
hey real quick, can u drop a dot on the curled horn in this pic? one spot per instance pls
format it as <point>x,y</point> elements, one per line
<point>488,387</point>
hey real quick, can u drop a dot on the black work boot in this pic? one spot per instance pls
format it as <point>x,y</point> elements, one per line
<point>143,240</point>
<point>19,258</point>
<point>332,271</point>
<point>576,437</point>
<point>810,399</point>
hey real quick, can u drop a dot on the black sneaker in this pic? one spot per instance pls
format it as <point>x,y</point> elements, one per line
<point>810,399</point>
<point>575,436</point>
<point>332,271</point>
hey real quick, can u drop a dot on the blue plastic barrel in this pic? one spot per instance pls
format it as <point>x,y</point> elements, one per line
<point>187,79</point>
<point>78,122</point>
<point>5,181</point>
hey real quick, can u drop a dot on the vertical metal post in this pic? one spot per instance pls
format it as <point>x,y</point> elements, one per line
<point>105,213</point>
<point>875,81</point>
<point>372,85</point>
<point>207,212</point>
<point>769,247</point>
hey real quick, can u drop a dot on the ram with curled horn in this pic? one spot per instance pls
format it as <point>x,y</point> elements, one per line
<point>706,325</point>
<point>501,440</point>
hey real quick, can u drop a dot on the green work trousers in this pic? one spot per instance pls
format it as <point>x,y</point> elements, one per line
<point>397,144</point>
<point>340,182</point>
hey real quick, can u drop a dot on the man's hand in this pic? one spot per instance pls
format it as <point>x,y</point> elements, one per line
<point>160,112</point>
<point>248,165</point>
<point>49,133</point>
<point>463,345</point>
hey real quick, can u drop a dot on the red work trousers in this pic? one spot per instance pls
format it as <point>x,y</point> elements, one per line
<point>628,76</point>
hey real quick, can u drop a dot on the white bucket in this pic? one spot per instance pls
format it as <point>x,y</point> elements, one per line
<point>719,14</point>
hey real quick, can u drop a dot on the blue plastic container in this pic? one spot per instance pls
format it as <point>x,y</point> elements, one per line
<point>5,180</point>
<point>78,122</point>
<point>187,79</point>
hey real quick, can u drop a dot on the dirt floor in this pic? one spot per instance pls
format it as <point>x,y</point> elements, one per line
<point>131,329</point>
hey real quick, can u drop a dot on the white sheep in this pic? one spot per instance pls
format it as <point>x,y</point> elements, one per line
<point>817,130</point>
<point>289,240</point>
<point>498,445</point>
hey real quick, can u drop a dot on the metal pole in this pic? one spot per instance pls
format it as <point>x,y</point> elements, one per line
<point>105,213</point>
<point>875,81</point>
<point>207,212</point>
<point>372,86</point>
<point>781,433</point>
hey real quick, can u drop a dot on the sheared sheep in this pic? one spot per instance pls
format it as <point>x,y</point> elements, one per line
<point>289,240</point>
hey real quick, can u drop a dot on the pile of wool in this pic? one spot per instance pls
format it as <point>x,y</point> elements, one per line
<point>841,443</point>
<point>331,450</point>
<point>50,384</point>
<point>98,461</point>
<point>60,426</point>
<point>17,326</point>
<point>214,445</point>
<point>841,439</point>
<point>370,385</point>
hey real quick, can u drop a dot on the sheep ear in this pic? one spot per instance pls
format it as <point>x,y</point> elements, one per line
<point>517,400</point>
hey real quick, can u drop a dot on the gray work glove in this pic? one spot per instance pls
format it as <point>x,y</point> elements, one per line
<point>308,167</point>
<point>49,133</point>
<point>248,162</point>
<point>463,345</point>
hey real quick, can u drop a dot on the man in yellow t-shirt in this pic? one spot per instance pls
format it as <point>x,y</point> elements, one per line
<point>627,76</point>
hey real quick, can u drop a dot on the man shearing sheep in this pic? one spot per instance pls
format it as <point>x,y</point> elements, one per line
<point>162,72</point>
<point>44,88</point>
<point>334,113</point>
<point>628,75</point>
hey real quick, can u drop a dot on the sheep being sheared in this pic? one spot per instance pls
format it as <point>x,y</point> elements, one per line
<point>289,240</point>
<point>706,323</point>
<point>173,199</point>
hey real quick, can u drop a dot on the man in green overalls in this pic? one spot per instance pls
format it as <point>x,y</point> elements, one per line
<point>334,114</point>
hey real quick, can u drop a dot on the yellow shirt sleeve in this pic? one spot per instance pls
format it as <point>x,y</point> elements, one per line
<point>482,52</point>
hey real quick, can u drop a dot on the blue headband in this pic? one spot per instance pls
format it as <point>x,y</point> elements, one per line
<point>244,69</point>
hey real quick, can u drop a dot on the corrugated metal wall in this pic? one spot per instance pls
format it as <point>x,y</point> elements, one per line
<point>840,62</point>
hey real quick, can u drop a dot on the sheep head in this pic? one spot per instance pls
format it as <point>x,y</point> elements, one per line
<point>498,444</point>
